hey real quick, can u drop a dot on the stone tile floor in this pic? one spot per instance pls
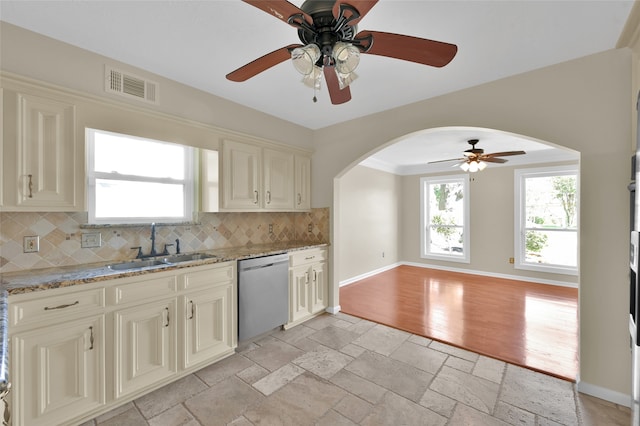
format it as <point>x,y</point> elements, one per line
<point>341,370</point>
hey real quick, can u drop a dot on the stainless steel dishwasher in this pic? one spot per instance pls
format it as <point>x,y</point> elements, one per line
<point>263,294</point>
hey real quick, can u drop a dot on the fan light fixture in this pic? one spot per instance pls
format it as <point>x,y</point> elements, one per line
<point>305,58</point>
<point>473,165</point>
<point>346,58</point>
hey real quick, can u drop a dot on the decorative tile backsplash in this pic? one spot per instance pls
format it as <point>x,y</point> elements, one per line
<point>60,236</point>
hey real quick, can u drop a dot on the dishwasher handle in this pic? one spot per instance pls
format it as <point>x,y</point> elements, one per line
<point>261,266</point>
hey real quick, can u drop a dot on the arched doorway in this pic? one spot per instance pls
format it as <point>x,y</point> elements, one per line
<point>377,205</point>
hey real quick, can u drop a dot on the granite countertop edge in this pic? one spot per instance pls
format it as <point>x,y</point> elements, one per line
<point>29,281</point>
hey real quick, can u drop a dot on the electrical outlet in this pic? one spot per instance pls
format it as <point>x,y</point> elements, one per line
<point>271,228</point>
<point>382,254</point>
<point>511,260</point>
<point>31,244</point>
<point>310,228</point>
<point>90,240</point>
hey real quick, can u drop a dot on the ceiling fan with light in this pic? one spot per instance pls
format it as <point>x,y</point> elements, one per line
<point>332,44</point>
<point>476,160</point>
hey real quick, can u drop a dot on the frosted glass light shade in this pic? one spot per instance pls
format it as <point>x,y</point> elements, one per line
<point>347,57</point>
<point>345,79</point>
<point>304,58</point>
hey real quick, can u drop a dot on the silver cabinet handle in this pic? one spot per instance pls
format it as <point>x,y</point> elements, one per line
<point>30,186</point>
<point>309,257</point>
<point>306,277</point>
<point>299,198</point>
<point>268,197</point>
<point>315,276</point>
<point>167,311</point>
<point>255,201</point>
<point>191,303</point>
<point>47,308</point>
<point>91,338</point>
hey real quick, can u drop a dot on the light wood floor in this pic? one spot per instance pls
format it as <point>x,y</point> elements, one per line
<point>528,324</point>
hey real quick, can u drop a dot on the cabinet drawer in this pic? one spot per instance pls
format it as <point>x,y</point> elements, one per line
<point>307,256</point>
<point>142,291</point>
<point>54,307</point>
<point>208,277</point>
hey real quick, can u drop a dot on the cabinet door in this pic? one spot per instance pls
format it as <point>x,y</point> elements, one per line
<point>145,345</point>
<point>302,183</point>
<point>45,155</point>
<point>209,330</point>
<point>240,176</point>
<point>59,373</point>
<point>278,180</point>
<point>299,282</point>
<point>319,298</point>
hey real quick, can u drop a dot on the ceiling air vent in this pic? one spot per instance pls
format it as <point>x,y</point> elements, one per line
<point>130,85</point>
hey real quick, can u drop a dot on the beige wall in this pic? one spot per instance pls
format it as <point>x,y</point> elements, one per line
<point>369,210</point>
<point>491,197</point>
<point>581,104</point>
<point>33,55</point>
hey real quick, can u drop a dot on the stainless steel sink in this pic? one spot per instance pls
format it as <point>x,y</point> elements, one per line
<point>187,257</point>
<point>138,264</point>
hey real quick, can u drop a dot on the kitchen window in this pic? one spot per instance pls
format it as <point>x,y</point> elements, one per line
<point>444,203</point>
<point>138,180</point>
<point>546,219</point>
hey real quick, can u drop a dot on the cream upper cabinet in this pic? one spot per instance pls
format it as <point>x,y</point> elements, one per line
<point>42,159</point>
<point>278,179</point>
<point>302,174</point>
<point>241,169</point>
<point>256,178</point>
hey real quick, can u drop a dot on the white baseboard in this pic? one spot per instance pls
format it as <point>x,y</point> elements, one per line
<point>368,274</point>
<point>333,309</point>
<point>491,274</point>
<point>604,393</point>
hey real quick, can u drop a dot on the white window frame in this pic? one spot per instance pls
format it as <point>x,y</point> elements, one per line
<point>425,228</point>
<point>188,182</point>
<point>520,218</point>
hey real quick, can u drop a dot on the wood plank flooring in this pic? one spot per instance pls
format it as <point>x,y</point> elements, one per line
<point>528,324</point>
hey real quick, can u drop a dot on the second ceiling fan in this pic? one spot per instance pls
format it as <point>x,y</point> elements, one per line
<point>475,159</point>
<point>332,44</point>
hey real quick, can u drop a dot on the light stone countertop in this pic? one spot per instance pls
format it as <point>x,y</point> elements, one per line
<point>65,276</point>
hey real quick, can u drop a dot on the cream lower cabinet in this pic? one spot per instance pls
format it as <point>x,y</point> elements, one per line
<point>210,329</point>
<point>308,285</point>
<point>77,352</point>
<point>145,345</point>
<point>61,371</point>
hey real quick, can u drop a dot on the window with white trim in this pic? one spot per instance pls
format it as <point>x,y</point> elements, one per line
<point>444,205</point>
<point>546,219</point>
<point>138,180</point>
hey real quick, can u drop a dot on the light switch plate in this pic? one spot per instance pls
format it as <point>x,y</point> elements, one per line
<point>31,244</point>
<point>91,240</point>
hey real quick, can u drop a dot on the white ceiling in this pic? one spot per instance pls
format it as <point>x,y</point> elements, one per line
<point>198,42</point>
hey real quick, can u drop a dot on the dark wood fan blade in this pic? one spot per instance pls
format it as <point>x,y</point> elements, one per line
<point>281,9</point>
<point>337,96</point>
<point>493,160</point>
<point>408,48</point>
<point>362,6</point>
<point>262,63</point>
<point>444,161</point>
<point>505,154</point>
